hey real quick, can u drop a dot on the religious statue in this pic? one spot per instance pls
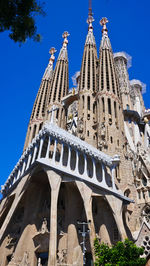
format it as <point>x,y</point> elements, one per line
<point>44,228</point>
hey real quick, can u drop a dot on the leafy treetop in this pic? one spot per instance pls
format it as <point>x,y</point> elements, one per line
<point>122,254</point>
<point>18,16</point>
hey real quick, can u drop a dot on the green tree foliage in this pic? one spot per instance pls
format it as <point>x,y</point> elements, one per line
<point>122,254</point>
<point>18,16</point>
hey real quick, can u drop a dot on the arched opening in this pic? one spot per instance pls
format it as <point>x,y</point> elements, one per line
<point>89,167</point>
<point>44,147</point>
<point>51,149</point>
<point>58,151</point>
<point>65,156</point>
<point>99,171</point>
<point>108,178</point>
<point>81,164</point>
<point>73,160</point>
<point>70,210</point>
<point>106,229</point>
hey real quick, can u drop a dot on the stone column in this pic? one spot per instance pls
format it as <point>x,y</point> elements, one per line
<point>21,188</point>
<point>86,194</point>
<point>116,206</point>
<point>55,181</point>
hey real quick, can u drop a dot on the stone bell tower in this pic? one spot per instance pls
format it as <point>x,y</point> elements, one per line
<point>121,61</point>
<point>38,112</point>
<point>59,86</point>
<point>109,108</point>
<point>87,108</point>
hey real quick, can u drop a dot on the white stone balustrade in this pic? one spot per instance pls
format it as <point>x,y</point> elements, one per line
<point>70,155</point>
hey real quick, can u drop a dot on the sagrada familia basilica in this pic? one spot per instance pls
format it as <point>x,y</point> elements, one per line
<point>85,168</point>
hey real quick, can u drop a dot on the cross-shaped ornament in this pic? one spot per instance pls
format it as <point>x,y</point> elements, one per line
<point>54,108</point>
<point>103,23</point>
<point>65,35</point>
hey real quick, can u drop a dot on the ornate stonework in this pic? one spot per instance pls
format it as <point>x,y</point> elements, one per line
<point>86,158</point>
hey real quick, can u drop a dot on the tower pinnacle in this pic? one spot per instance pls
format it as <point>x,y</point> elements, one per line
<point>65,35</point>
<point>90,17</point>
<point>52,51</point>
<point>49,70</point>
<point>63,51</point>
<point>103,23</point>
<point>90,8</point>
<point>105,43</point>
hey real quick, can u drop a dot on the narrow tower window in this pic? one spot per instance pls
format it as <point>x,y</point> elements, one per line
<point>40,127</point>
<point>102,74</point>
<point>115,110</point>
<point>65,80</point>
<point>83,102</point>
<point>112,75</point>
<point>107,72</point>
<point>45,97</point>
<point>57,114</point>
<point>89,70</point>
<point>88,103</point>
<point>84,64</point>
<point>109,106</point>
<point>56,84</point>
<point>61,81</point>
<point>103,105</point>
<point>93,67</point>
<point>34,130</point>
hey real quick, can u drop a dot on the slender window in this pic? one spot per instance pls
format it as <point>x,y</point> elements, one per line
<point>107,72</point>
<point>109,106</point>
<point>115,110</point>
<point>56,84</point>
<point>57,114</point>
<point>88,103</point>
<point>103,104</point>
<point>89,70</point>
<point>93,66</point>
<point>61,80</point>
<point>102,74</point>
<point>34,130</point>
<point>83,102</point>
<point>84,64</point>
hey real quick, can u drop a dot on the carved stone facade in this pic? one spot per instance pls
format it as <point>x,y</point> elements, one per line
<point>86,158</point>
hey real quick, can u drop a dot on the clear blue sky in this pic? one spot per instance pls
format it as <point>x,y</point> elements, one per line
<point>21,68</point>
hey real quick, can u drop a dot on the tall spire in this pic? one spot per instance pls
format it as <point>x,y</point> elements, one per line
<point>88,86</point>
<point>109,107</point>
<point>49,70</point>
<point>59,84</point>
<point>105,43</point>
<point>63,52</point>
<point>90,37</point>
<point>38,114</point>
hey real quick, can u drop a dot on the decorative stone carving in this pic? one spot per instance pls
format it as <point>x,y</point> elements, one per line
<point>11,241</point>
<point>146,213</point>
<point>25,260</point>
<point>41,239</point>
<point>44,228</point>
<point>62,135</point>
<point>80,124</point>
<point>62,256</point>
